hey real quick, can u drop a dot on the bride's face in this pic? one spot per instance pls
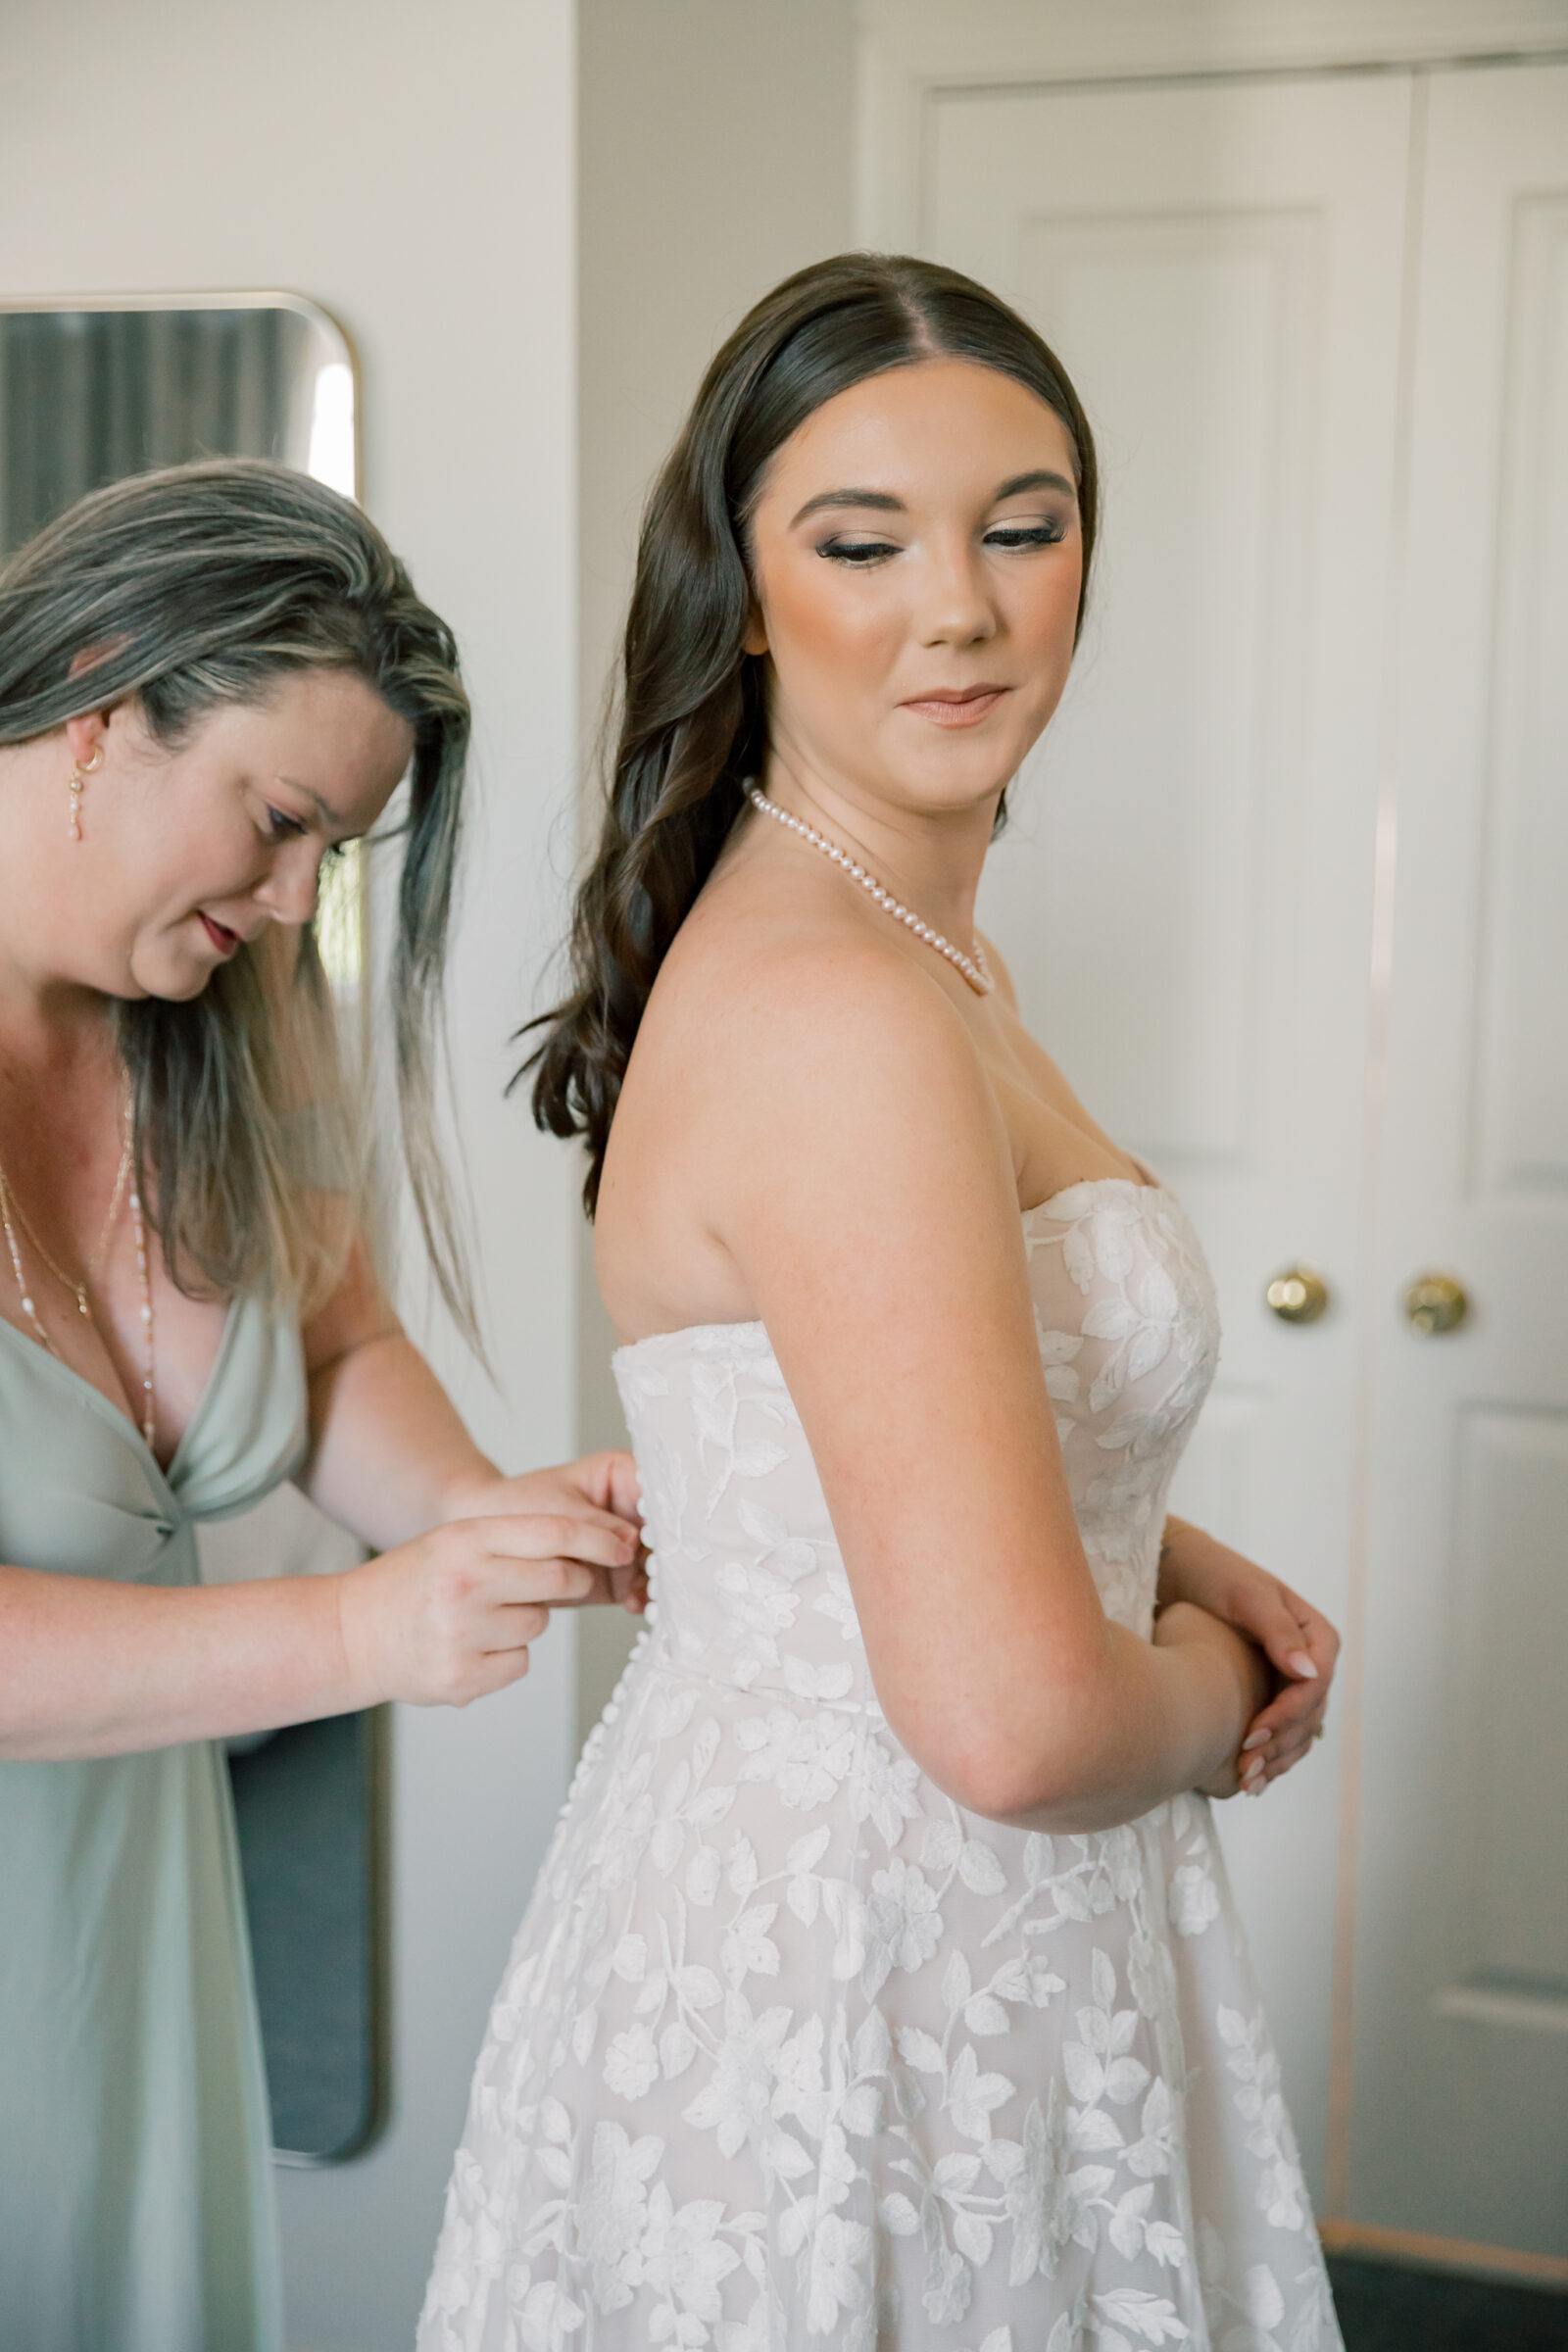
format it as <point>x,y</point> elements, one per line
<point>916,556</point>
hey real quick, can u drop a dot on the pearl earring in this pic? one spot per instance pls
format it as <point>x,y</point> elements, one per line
<point>79,775</point>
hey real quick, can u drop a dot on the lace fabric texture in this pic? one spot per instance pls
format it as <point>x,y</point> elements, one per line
<point>791,2050</point>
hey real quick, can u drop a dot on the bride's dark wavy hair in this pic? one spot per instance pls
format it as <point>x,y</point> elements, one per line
<point>692,715</point>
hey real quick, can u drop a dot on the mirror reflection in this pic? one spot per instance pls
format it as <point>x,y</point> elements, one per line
<point>91,391</point>
<point>89,395</point>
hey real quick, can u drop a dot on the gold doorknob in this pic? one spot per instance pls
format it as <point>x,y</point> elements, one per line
<point>1298,1295</point>
<point>1434,1303</point>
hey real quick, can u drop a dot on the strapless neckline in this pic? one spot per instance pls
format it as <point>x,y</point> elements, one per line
<point>1053,1200</point>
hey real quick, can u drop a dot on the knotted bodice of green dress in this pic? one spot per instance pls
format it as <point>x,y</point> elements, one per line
<point>135,2190</point>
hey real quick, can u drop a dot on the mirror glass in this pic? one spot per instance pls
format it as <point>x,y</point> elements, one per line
<point>96,387</point>
<point>90,390</point>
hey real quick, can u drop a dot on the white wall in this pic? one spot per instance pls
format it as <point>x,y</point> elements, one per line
<point>411,168</point>
<point>716,157</point>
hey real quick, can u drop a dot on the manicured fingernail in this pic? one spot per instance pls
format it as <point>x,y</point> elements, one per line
<point>1301,1664</point>
<point>1254,1740</point>
<point>1256,1787</point>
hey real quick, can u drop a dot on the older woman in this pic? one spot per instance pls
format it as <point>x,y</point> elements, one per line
<point>209,680</point>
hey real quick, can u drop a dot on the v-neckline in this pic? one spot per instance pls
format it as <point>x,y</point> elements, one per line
<point>116,1414</point>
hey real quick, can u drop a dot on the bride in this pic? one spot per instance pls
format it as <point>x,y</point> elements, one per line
<point>882,1986</point>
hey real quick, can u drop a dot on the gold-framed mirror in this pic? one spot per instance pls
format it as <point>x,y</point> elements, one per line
<point>92,388</point>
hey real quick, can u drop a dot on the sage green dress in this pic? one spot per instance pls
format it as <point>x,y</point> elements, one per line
<point>136,2205</point>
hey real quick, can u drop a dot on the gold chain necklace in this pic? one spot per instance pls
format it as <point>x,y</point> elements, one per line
<point>79,1290</point>
<point>11,1216</point>
<point>974,968</point>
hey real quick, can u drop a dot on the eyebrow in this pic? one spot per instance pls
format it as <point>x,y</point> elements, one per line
<point>882,502</point>
<point>327,815</point>
<point>1042,479</point>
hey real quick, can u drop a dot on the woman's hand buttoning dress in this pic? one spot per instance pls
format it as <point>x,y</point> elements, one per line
<point>882,1986</point>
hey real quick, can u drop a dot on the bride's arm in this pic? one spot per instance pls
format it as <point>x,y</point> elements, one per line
<point>1297,1640</point>
<point>862,1185</point>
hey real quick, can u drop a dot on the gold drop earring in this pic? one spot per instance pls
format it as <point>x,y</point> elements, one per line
<point>79,777</point>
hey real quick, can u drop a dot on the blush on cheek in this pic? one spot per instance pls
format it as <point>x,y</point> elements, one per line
<point>827,646</point>
<point>1051,613</point>
<point>1045,635</point>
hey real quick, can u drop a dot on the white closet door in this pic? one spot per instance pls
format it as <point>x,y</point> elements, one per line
<point>1460,2051</point>
<point>1185,893</point>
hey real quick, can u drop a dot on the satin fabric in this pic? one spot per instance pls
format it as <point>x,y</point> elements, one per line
<point>136,2210</point>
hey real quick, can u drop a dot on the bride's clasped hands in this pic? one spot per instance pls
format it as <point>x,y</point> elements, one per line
<point>1298,1649</point>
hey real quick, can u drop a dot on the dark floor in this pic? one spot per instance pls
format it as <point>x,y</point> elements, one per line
<point>1385,2308</point>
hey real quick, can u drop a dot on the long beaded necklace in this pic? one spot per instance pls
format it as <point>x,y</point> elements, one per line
<point>11,1216</point>
<point>975,968</point>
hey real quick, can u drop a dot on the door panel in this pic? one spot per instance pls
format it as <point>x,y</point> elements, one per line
<point>1519,1102</point>
<point>1461,2016</point>
<point>1185,892</point>
<point>1510,1629</point>
<point>1191,677</point>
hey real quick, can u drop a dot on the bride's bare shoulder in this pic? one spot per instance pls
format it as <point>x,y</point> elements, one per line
<point>758,977</point>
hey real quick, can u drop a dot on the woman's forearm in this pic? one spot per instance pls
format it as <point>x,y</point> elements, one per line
<point>91,1668</point>
<point>391,1456</point>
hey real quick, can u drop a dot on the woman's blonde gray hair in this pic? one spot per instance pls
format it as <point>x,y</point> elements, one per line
<point>206,585</point>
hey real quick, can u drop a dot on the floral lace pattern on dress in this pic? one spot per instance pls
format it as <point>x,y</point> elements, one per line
<point>792,2051</point>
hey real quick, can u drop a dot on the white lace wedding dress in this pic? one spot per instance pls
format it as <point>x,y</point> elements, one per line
<point>793,2052</point>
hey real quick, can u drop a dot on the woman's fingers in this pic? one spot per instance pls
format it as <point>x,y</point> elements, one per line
<point>604,1589</point>
<point>512,1626</point>
<point>585,1492</point>
<point>1319,1643</point>
<point>1297,1705</point>
<point>595,1537</point>
<point>1270,1733</point>
<point>617,1588</point>
<point>1285,1759</point>
<point>610,1480</point>
<point>625,1486</point>
<point>1281,1734</point>
<point>449,1617</point>
<point>1276,1740</point>
<point>496,1671</point>
<point>1304,1647</point>
<point>1297,1639</point>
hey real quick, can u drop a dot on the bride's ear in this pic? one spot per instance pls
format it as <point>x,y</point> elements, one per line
<point>755,640</point>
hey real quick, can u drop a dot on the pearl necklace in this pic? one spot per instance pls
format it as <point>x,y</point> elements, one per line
<point>11,1207</point>
<point>975,968</point>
